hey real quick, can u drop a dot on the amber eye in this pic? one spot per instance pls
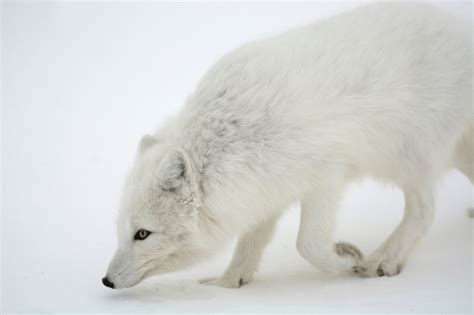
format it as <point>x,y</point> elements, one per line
<point>141,235</point>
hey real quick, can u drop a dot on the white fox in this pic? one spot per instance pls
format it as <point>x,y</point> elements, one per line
<point>384,91</point>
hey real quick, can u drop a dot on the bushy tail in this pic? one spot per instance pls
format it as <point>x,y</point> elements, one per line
<point>464,155</point>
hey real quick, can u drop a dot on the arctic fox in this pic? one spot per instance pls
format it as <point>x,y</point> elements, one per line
<point>384,90</point>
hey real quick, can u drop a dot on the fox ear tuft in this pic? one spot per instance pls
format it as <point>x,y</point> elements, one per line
<point>146,142</point>
<point>175,170</point>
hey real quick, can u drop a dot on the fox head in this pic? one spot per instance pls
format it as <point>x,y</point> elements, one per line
<point>160,222</point>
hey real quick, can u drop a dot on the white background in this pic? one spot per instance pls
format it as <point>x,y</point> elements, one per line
<point>82,82</point>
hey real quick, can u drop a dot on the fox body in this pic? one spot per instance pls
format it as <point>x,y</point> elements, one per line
<point>383,91</point>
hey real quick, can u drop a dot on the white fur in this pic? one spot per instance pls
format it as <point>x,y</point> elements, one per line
<point>383,91</point>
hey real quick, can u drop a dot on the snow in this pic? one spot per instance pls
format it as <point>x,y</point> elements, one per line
<point>83,81</point>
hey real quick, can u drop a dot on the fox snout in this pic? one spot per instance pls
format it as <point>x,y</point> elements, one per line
<point>122,271</point>
<point>108,283</point>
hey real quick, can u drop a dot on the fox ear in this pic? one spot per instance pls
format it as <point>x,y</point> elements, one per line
<point>175,170</point>
<point>146,142</point>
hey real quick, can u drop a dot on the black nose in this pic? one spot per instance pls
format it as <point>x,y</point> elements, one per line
<point>107,283</point>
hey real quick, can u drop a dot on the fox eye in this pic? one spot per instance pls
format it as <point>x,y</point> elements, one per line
<point>141,235</point>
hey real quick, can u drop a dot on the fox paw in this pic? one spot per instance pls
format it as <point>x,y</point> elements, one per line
<point>345,249</point>
<point>378,268</point>
<point>231,281</point>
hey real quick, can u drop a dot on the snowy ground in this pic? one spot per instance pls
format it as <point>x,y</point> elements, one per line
<point>83,82</point>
